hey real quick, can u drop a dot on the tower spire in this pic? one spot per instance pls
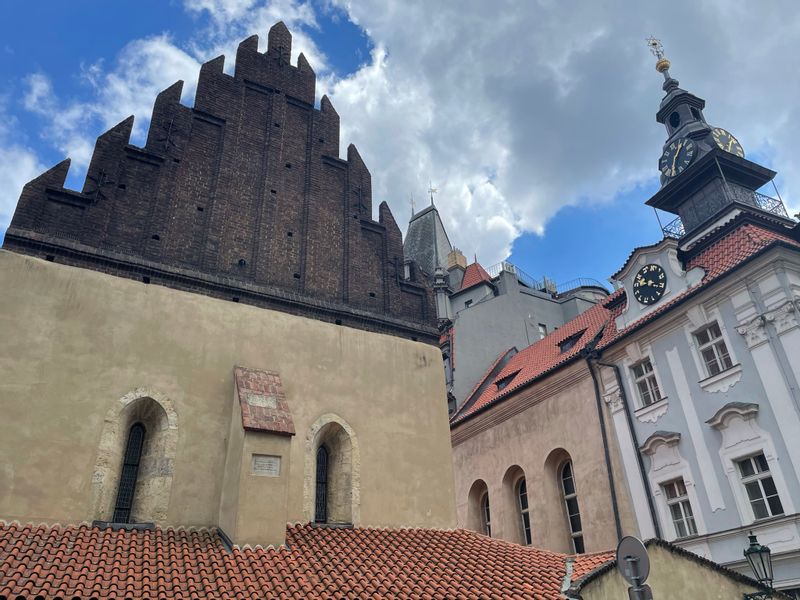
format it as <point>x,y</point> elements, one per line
<point>432,191</point>
<point>662,63</point>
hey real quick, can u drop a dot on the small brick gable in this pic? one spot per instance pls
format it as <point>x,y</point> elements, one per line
<point>262,401</point>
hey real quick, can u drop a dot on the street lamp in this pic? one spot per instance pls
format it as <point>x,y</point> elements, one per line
<point>760,559</point>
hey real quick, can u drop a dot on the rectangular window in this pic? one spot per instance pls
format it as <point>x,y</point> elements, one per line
<point>713,350</point>
<point>680,509</point>
<point>760,487</point>
<point>542,330</point>
<point>646,384</point>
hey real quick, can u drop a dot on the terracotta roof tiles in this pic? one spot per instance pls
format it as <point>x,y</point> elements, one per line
<point>473,275</point>
<point>56,561</point>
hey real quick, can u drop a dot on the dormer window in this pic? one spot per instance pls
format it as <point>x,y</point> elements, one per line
<point>569,343</point>
<point>503,383</point>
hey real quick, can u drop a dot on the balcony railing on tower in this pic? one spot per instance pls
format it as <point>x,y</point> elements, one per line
<point>675,229</point>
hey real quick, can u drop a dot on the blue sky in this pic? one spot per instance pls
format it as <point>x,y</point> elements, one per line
<point>539,131</point>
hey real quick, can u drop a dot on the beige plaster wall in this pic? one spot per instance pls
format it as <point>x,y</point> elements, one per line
<point>672,577</point>
<point>74,342</point>
<point>530,433</point>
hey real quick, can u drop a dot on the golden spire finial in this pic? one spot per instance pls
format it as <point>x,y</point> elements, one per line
<point>662,64</point>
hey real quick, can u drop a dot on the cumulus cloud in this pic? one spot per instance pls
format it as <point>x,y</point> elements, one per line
<point>512,110</point>
<point>518,109</point>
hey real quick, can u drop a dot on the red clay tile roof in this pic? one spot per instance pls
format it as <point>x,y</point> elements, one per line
<point>741,243</point>
<point>55,561</point>
<point>539,358</point>
<point>473,275</point>
<point>586,563</point>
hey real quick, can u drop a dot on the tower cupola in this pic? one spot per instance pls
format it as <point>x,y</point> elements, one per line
<point>705,177</point>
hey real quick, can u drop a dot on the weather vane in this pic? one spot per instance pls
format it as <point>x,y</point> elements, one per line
<point>432,191</point>
<point>657,48</point>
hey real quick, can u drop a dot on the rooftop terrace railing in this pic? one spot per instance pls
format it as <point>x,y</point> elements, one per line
<point>543,285</point>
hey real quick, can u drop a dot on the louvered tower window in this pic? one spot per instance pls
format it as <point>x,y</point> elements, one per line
<point>130,471</point>
<point>321,503</point>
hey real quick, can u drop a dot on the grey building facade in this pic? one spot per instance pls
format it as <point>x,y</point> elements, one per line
<point>486,313</point>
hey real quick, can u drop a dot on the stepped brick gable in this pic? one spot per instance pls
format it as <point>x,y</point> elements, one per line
<point>242,197</point>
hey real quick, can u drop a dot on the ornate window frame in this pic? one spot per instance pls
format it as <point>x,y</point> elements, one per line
<point>699,318</point>
<point>741,438</point>
<point>637,353</point>
<point>667,464</point>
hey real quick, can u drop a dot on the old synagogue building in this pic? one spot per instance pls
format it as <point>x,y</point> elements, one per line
<point>222,377</point>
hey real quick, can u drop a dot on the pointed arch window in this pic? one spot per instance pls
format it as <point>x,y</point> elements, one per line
<point>486,519</point>
<point>524,511</point>
<point>571,504</point>
<point>130,473</point>
<point>321,502</point>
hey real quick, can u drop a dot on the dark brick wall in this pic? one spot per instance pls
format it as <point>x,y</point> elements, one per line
<point>242,196</point>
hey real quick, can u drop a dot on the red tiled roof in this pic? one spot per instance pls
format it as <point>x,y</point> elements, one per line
<point>742,242</point>
<point>586,563</point>
<point>473,275</point>
<point>55,561</point>
<point>539,358</point>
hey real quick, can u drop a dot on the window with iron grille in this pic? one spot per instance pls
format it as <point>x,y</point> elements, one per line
<point>571,503</point>
<point>129,474</point>
<point>486,519</point>
<point>524,511</point>
<point>680,509</point>
<point>321,498</point>
<point>760,487</point>
<point>646,384</point>
<point>713,350</point>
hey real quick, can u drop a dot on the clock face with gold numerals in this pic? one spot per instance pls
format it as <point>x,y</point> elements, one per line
<point>677,156</point>
<point>727,142</point>
<point>649,284</point>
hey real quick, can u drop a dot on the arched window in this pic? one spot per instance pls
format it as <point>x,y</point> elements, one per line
<point>571,504</point>
<point>130,471</point>
<point>486,519</point>
<point>321,501</point>
<point>525,518</point>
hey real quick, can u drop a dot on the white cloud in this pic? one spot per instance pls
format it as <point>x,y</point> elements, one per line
<point>518,109</point>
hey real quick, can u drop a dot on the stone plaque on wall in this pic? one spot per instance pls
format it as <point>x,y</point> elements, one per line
<point>261,400</point>
<point>266,465</point>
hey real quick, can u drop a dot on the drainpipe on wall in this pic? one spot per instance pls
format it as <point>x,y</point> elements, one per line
<point>632,429</point>
<point>606,452</point>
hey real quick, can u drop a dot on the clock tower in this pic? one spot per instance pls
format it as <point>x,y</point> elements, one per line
<point>705,178</point>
